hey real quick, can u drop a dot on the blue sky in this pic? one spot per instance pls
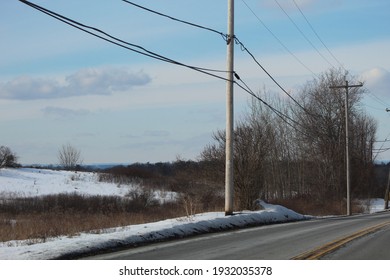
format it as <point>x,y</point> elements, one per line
<point>59,85</point>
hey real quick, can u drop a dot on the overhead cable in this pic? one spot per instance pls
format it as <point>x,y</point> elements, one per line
<point>381,149</point>
<point>119,42</point>
<point>143,51</point>
<point>303,34</point>
<point>279,41</point>
<point>377,99</point>
<point>281,115</point>
<point>243,48</point>
<point>225,36</point>
<point>318,36</point>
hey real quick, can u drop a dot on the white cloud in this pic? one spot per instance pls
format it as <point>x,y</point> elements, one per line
<point>84,82</point>
<point>63,113</point>
<point>25,87</point>
<point>378,81</point>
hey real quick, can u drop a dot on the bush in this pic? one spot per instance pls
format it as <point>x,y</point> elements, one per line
<point>7,158</point>
<point>69,157</point>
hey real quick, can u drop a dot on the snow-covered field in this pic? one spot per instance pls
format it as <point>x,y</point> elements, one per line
<point>33,182</point>
<point>27,182</point>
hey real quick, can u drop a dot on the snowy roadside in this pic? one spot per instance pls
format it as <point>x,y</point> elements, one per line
<point>32,182</point>
<point>25,182</point>
<point>138,234</point>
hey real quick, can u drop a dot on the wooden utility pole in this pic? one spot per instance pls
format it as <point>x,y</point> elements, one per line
<point>387,192</point>
<point>229,182</point>
<point>346,87</point>
<point>388,183</point>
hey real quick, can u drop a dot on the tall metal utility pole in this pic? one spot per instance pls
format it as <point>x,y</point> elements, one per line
<point>347,86</point>
<point>229,188</point>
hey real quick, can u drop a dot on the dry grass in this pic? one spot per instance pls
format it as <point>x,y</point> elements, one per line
<point>46,225</point>
<point>309,206</point>
<point>40,218</point>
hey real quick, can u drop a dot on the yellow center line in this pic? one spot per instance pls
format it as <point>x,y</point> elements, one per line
<point>319,252</point>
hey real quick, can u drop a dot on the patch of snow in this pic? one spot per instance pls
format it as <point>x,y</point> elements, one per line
<point>373,205</point>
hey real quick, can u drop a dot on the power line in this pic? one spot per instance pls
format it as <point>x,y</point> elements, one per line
<point>318,36</point>
<point>303,34</point>
<point>141,50</point>
<point>121,43</point>
<point>224,36</point>
<point>281,115</point>
<point>382,141</point>
<point>377,99</point>
<point>277,39</point>
<point>372,107</point>
<point>381,149</point>
<point>269,75</point>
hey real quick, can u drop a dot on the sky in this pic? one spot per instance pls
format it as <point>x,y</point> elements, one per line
<point>59,85</point>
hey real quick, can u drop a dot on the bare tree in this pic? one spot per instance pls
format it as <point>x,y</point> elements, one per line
<point>69,157</point>
<point>285,149</point>
<point>251,147</point>
<point>7,157</point>
<point>323,124</point>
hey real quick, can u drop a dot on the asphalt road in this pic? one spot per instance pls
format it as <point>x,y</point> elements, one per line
<point>375,246</point>
<point>272,242</point>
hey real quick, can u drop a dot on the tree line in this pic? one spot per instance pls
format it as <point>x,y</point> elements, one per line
<point>296,147</point>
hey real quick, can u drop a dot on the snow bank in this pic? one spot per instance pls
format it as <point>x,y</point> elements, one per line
<point>145,233</point>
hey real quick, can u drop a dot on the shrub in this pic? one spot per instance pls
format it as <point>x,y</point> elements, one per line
<point>7,158</point>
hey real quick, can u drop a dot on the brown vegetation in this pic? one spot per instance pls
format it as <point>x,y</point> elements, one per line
<point>39,218</point>
<point>310,206</point>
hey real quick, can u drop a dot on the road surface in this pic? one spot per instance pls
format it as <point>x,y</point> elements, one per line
<point>273,242</point>
<point>375,246</point>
